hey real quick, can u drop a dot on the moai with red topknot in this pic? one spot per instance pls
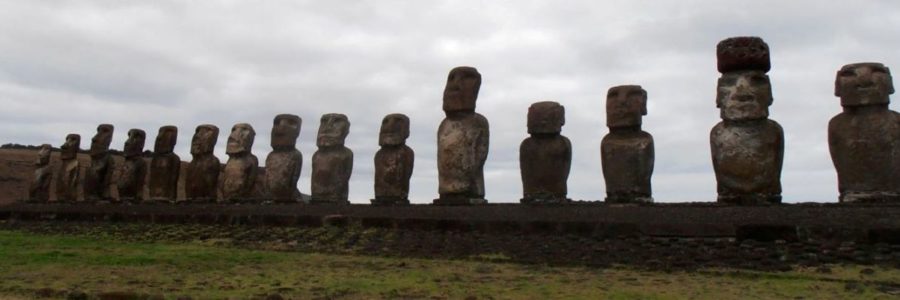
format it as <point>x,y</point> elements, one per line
<point>747,147</point>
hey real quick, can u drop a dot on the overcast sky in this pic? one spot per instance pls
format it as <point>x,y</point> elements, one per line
<point>67,66</point>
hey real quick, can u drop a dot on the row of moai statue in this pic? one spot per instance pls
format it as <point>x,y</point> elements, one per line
<point>747,147</point>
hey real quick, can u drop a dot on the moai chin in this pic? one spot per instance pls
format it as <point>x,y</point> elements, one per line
<point>332,164</point>
<point>99,175</point>
<point>202,178</point>
<point>134,170</point>
<point>239,176</point>
<point>747,147</point>
<point>864,139</point>
<point>284,163</point>
<point>39,190</point>
<point>627,152</point>
<point>463,138</point>
<point>165,166</point>
<point>393,162</point>
<point>68,175</point>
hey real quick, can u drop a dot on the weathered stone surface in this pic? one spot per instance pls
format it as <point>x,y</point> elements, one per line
<point>546,156</point>
<point>332,164</point>
<point>747,147</point>
<point>134,170</point>
<point>743,53</point>
<point>202,178</point>
<point>68,176</point>
<point>98,179</point>
<point>627,152</point>
<point>165,166</point>
<point>241,169</point>
<point>463,140</point>
<point>284,163</point>
<point>865,138</point>
<point>39,190</point>
<point>393,162</point>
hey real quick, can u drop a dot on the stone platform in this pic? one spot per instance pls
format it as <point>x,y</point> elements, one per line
<point>861,223</point>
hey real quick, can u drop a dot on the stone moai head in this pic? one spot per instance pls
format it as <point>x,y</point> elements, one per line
<point>461,91</point>
<point>44,155</point>
<point>69,150</point>
<point>204,140</point>
<point>394,130</point>
<point>166,139</point>
<point>240,141</point>
<point>546,117</point>
<point>744,91</point>
<point>100,142</point>
<point>333,129</point>
<point>625,106</point>
<point>285,130</point>
<point>863,84</point>
<point>134,145</point>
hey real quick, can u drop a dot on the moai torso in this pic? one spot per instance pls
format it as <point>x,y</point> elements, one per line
<point>165,166</point>
<point>284,163</point>
<point>202,179</point>
<point>134,169</point>
<point>463,138</point>
<point>332,164</point>
<point>747,147</point>
<point>747,158</point>
<point>99,175</point>
<point>864,140</point>
<point>239,176</point>
<point>68,175</point>
<point>546,156</point>
<point>39,190</point>
<point>627,153</point>
<point>393,162</point>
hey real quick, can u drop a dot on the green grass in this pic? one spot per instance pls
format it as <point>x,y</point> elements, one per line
<point>30,262</point>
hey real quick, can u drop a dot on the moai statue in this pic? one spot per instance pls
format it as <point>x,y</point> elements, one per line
<point>546,156</point>
<point>865,139</point>
<point>747,147</point>
<point>462,141</point>
<point>393,162</point>
<point>68,176</point>
<point>203,171</point>
<point>39,191</point>
<point>239,176</point>
<point>332,164</point>
<point>165,166</point>
<point>627,153</point>
<point>134,170</point>
<point>98,180</point>
<point>284,162</point>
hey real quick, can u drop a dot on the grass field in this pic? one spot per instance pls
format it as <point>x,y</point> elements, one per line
<point>54,266</point>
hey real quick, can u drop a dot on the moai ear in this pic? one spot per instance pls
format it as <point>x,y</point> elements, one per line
<point>890,81</point>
